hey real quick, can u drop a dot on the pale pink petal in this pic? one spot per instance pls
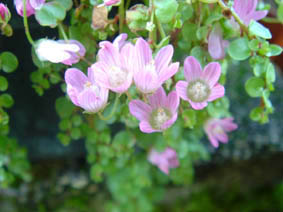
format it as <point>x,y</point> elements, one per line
<point>140,110</point>
<point>73,94</point>
<point>172,102</point>
<point>168,72</point>
<point>164,168</point>
<point>143,53</point>
<point>171,121</point>
<point>181,88</point>
<point>215,44</point>
<point>228,125</point>
<point>75,78</point>
<point>146,127</point>
<point>223,137</point>
<point>198,105</point>
<point>111,2</point>
<point>217,91</point>
<point>257,15</point>
<point>211,73</point>
<point>146,81</point>
<point>20,7</point>
<point>119,41</point>
<point>213,140</point>
<point>37,4</point>
<point>192,69</point>
<point>100,75</point>
<point>163,58</point>
<point>109,54</point>
<point>89,101</point>
<point>158,98</point>
<point>127,57</point>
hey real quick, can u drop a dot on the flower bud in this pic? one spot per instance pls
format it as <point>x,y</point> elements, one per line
<point>5,14</point>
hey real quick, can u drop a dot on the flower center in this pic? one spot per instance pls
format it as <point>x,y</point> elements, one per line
<point>218,130</point>
<point>159,116</point>
<point>93,87</point>
<point>117,76</point>
<point>198,91</point>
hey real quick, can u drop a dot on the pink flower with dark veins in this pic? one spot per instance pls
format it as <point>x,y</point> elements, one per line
<point>60,51</point>
<point>246,10</point>
<point>216,44</point>
<point>216,130</point>
<point>164,160</point>
<point>201,86</point>
<point>84,91</point>
<point>159,114</point>
<point>5,14</point>
<point>114,68</point>
<point>151,73</point>
<point>31,6</point>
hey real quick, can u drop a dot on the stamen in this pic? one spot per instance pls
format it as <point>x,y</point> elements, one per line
<point>198,91</point>
<point>117,76</point>
<point>159,116</point>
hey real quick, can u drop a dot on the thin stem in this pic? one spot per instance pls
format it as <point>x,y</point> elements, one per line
<point>151,33</point>
<point>234,14</point>
<point>128,4</point>
<point>160,29</point>
<point>121,16</point>
<point>271,20</point>
<point>26,24</point>
<point>61,28</point>
<point>112,112</point>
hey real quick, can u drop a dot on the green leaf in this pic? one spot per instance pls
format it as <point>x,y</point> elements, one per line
<point>67,4</point>
<point>64,107</point>
<point>6,100</point>
<point>190,118</point>
<point>259,30</point>
<point>270,74</point>
<point>280,12</point>
<point>254,86</point>
<point>3,83</point>
<point>239,49</point>
<point>256,114</point>
<point>9,62</point>
<point>209,1</point>
<point>75,133</point>
<point>274,50</point>
<point>50,14</point>
<point>165,10</point>
<point>65,139</point>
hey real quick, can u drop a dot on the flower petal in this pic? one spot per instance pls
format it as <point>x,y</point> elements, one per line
<point>120,40</point>
<point>172,101</point>
<point>257,15</point>
<point>213,140</point>
<point>98,74</point>
<point>228,125</point>
<point>198,105</point>
<point>163,57</point>
<point>143,54</point>
<point>168,72</point>
<point>140,110</point>
<point>192,69</point>
<point>217,91</point>
<point>181,88</point>
<point>158,98</point>
<point>75,78</point>
<point>90,102</point>
<point>171,121</point>
<point>215,44</point>
<point>109,54</point>
<point>146,128</point>
<point>211,73</point>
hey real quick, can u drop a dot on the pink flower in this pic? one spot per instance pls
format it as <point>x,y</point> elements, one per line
<point>114,69</point>
<point>111,2</point>
<point>216,44</point>
<point>151,73</point>
<point>200,86</point>
<point>66,52</point>
<point>84,92</point>
<point>159,115</point>
<point>216,130</point>
<point>164,160</point>
<point>5,14</point>
<point>246,10</point>
<point>31,6</point>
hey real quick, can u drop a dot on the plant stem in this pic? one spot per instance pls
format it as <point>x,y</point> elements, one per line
<point>112,112</point>
<point>234,14</point>
<point>61,28</point>
<point>151,33</point>
<point>271,20</point>
<point>128,4</point>
<point>121,16</point>
<point>26,24</point>
<point>160,29</point>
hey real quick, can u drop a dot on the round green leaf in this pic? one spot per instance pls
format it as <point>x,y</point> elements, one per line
<point>9,62</point>
<point>259,30</point>
<point>6,100</point>
<point>50,14</point>
<point>165,10</point>
<point>274,50</point>
<point>254,86</point>
<point>64,107</point>
<point>75,133</point>
<point>3,83</point>
<point>239,49</point>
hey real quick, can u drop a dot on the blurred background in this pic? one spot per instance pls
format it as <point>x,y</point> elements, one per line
<point>244,175</point>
